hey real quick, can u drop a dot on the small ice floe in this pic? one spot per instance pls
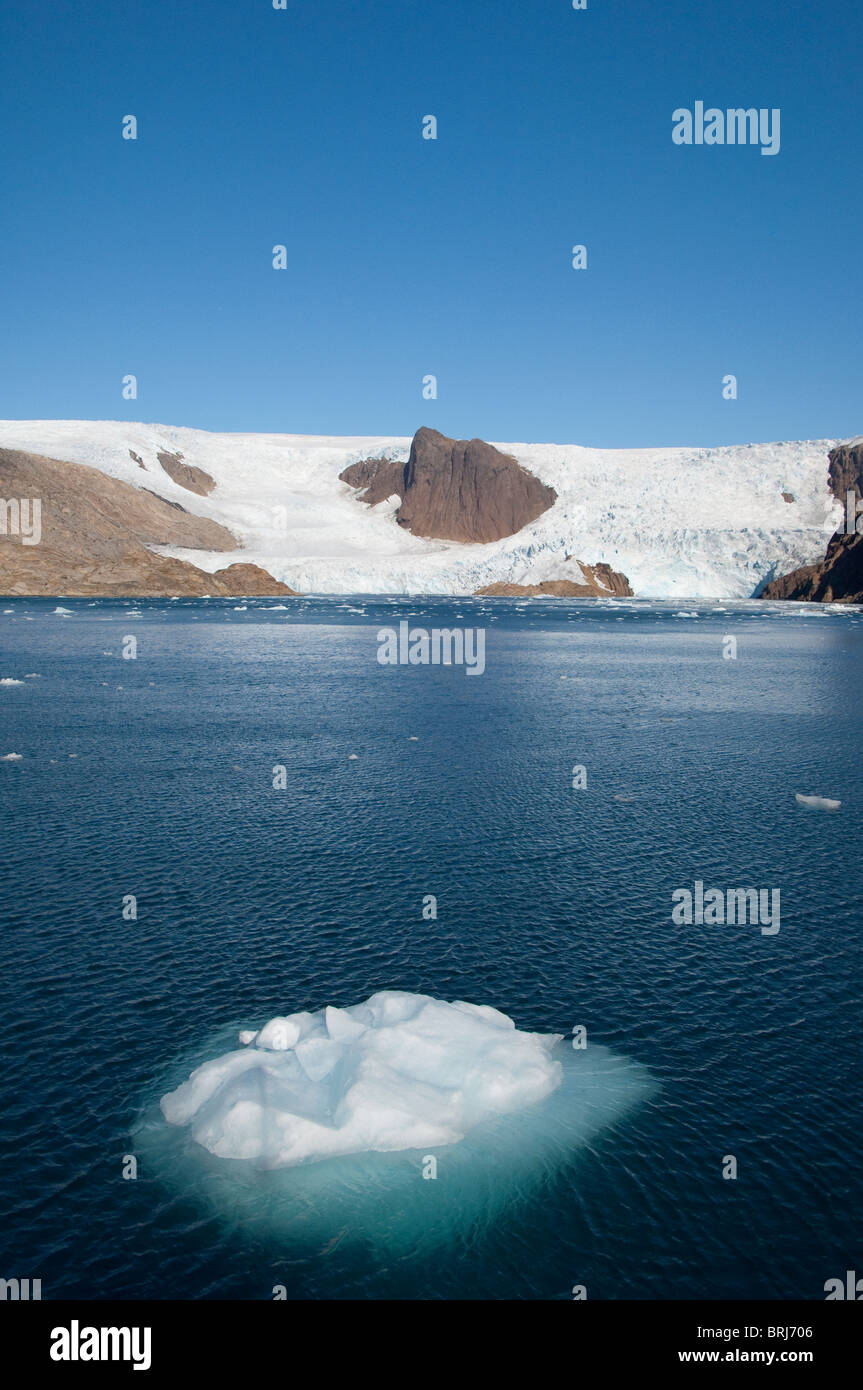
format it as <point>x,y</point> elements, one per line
<point>352,757</point>
<point>820,803</point>
<point>241,607</point>
<point>10,680</point>
<point>393,1073</point>
<point>32,676</point>
<point>412,738</point>
<point>685,615</point>
<point>8,610</point>
<point>11,758</point>
<point>64,612</point>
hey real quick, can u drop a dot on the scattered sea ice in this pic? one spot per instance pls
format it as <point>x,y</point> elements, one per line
<point>819,803</point>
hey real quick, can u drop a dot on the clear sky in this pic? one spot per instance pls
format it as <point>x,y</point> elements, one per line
<point>408,257</point>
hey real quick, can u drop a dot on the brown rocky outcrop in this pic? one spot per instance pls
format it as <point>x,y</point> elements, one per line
<point>838,578</point>
<point>186,474</point>
<point>95,534</point>
<point>602,580</point>
<point>845,469</point>
<point>247,581</point>
<point>454,489</point>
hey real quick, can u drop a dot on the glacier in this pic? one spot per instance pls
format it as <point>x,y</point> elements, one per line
<point>679,522</point>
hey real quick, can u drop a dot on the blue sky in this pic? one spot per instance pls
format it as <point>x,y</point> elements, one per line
<point>453,257</point>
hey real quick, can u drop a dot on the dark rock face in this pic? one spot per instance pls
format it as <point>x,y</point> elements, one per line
<point>838,579</point>
<point>186,475</point>
<point>839,576</point>
<point>845,470</point>
<point>454,489</point>
<point>607,578</point>
<point>378,479</point>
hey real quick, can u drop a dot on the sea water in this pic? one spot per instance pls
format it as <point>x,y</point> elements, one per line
<point>254,818</point>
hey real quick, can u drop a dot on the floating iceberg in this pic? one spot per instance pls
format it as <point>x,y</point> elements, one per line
<point>402,1071</point>
<point>820,803</point>
<point>334,1118</point>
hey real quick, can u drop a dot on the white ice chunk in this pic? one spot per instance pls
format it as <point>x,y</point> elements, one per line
<point>487,1012</point>
<point>279,1035</point>
<point>318,1056</point>
<point>343,1026</point>
<point>820,803</point>
<point>402,1071</point>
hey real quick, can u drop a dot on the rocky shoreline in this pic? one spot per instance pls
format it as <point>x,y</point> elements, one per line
<point>838,578</point>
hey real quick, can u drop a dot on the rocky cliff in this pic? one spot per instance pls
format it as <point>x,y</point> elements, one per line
<point>94,534</point>
<point>845,469</point>
<point>838,578</point>
<point>454,489</point>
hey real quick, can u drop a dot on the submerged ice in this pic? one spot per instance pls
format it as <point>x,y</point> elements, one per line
<point>399,1072</point>
<point>334,1119</point>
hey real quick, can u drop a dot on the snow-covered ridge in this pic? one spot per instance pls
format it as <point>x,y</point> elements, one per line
<point>679,522</point>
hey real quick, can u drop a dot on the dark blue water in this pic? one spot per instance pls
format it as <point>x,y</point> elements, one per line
<point>153,777</point>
